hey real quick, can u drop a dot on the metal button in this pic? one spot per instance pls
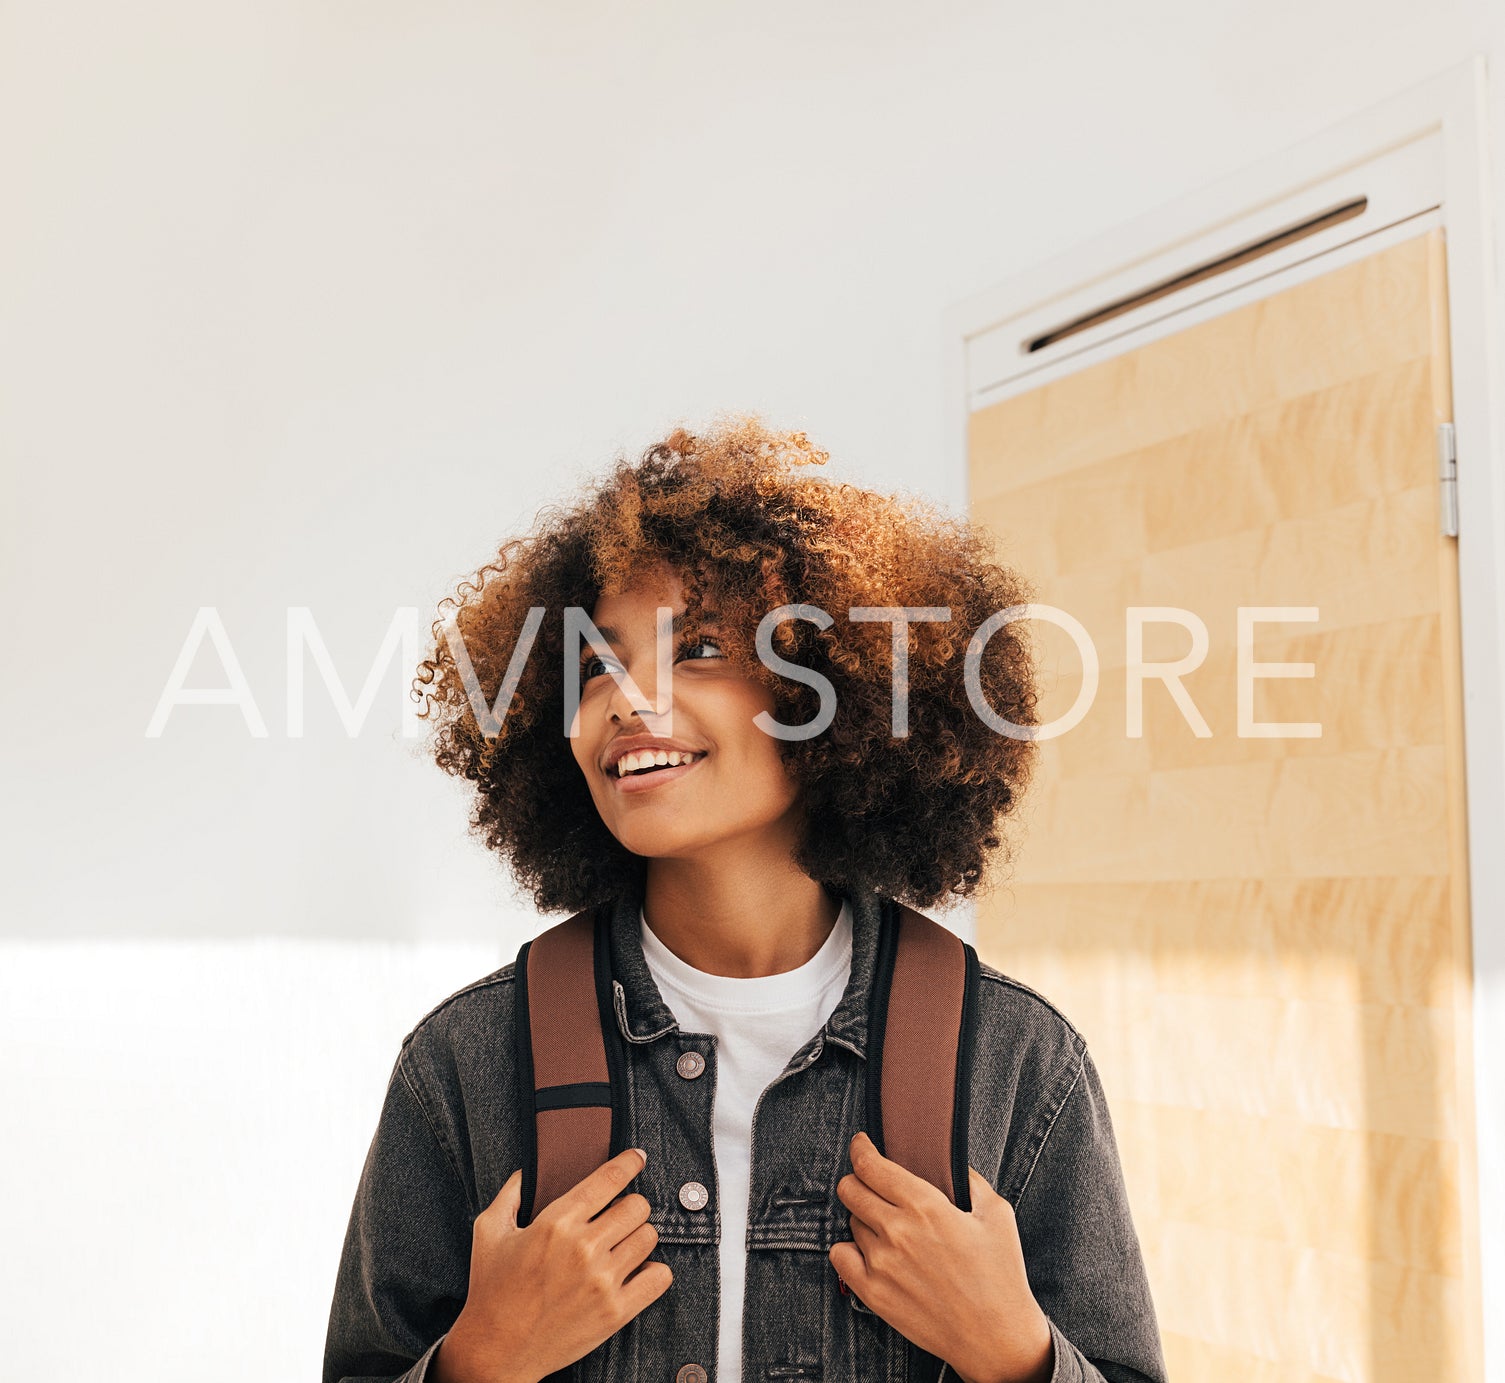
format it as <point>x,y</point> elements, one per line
<point>693,1196</point>
<point>690,1065</point>
<point>690,1373</point>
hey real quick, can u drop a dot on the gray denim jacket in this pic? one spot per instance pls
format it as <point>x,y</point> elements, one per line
<point>449,1136</point>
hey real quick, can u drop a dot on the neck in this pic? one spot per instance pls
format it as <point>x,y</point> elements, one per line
<point>742,918</point>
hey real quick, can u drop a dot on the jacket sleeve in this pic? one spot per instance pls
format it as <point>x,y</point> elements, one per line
<point>1081,1251</point>
<point>405,1267</point>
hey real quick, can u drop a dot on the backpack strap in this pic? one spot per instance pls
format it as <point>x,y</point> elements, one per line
<point>569,1058</point>
<point>921,1035</point>
<point>572,1083</point>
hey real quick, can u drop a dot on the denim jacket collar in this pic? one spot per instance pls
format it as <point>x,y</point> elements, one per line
<point>642,1014</point>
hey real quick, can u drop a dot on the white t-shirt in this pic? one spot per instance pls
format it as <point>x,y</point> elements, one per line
<point>759,1023</point>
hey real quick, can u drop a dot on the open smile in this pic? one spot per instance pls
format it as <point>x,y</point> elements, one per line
<point>645,782</point>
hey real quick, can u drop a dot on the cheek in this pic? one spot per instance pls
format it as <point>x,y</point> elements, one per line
<point>766,773</point>
<point>744,754</point>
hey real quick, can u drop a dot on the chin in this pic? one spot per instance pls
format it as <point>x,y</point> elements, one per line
<point>661,845</point>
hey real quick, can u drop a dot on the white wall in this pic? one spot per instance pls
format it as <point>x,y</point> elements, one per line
<point>312,304</point>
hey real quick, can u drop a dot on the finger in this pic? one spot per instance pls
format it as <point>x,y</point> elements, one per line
<point>864,1236</point>
<point>896,1184</point>
<point>861,1199</point>
<point>593,1193</point>
<point>632,1250</point>
<point>645,1286</point>
<point>619,1219</point>
<point>989,1202</point>
<point>504,1205</point>
<point>850,1265</point>
<point>982,1193</point>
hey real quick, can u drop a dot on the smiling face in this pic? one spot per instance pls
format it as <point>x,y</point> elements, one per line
<point>737,794</point>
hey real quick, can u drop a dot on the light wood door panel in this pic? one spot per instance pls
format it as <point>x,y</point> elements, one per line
<point>1264,940</point>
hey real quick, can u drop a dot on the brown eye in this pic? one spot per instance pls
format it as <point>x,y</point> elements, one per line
<point>585,667</point>
<point>702,643</point>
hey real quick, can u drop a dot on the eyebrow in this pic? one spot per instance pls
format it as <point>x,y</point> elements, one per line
<point>612,634</point>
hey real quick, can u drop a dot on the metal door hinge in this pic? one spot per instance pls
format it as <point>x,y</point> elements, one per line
<point>1447,478</point>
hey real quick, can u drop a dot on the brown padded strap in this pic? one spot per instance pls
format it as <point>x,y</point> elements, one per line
<point>564,1020</point>
<point>920,1045</point>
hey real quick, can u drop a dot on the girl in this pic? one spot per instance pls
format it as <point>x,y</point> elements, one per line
<point>745,833</point>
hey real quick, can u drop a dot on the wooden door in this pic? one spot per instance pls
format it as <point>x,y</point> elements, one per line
<point>1264,940</point>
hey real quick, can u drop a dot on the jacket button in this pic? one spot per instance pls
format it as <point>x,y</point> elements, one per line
<point>690,1065</point>
<point>690,1373</point>
<point>693,1196</point>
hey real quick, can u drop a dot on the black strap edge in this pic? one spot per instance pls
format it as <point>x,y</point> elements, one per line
<point>883,979</point>
<point>522,1044</point>
<point>966,1047</point>
<point>611,1038</point>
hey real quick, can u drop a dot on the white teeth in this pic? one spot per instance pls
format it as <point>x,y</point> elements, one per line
<point>659,757</point>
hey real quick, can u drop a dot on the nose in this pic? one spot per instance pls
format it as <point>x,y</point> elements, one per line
<point>644,676</point>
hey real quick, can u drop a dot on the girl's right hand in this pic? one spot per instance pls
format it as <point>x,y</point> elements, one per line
<point>547,1294</point>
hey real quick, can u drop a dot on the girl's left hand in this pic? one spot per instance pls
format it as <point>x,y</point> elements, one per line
<point>951,1281</point>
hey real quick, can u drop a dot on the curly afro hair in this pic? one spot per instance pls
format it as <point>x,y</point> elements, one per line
<point>739,516</point>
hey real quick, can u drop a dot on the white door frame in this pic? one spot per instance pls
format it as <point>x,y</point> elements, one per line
<point>1421,158</point>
